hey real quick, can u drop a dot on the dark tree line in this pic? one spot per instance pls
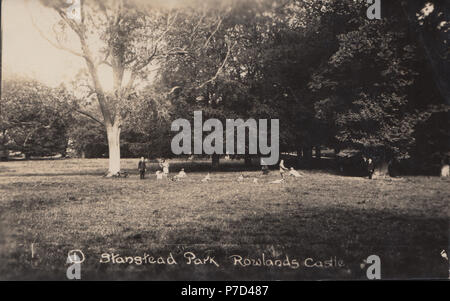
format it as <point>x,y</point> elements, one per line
<point>333,78</point>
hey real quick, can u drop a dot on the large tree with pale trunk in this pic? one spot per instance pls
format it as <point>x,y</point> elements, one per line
<point>130,39</point>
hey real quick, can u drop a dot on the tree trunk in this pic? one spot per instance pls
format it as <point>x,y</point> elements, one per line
<point>337,150</point>
<point>215,161</point>
<point>307,153</point>
<point>113,133</point>
<point>318,152</point>
<point>307,156</point>
<point>299,154</point>
<point>382,169</point>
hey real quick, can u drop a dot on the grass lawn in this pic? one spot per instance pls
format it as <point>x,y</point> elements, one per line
<point>329,221</point>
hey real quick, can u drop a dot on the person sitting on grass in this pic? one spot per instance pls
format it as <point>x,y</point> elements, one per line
<point>182,174</point>
<point>294,173</point>
<point>207,178</point>
<point>142,168</point>
<point>277,181</point>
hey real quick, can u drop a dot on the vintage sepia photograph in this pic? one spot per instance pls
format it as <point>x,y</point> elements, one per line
<point>224,140</point>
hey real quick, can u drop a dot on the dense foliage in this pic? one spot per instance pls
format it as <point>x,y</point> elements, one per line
<point>333,77</point>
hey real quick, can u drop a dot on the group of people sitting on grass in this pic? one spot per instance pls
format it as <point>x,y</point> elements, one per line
<point>163,172</point>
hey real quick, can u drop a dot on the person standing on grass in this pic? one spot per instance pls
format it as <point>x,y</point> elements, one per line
<point>370,168</point>
<point>165,167</point>
<point>283,169</point>
<point>142,168</point>
<point>265,170</point>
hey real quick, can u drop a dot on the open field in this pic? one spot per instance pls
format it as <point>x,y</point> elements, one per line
<point>63,205</point>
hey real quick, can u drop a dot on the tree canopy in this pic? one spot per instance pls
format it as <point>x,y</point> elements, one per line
<point>331,76</point>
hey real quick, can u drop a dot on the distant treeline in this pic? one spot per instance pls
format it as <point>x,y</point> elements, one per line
<point>332,77</point>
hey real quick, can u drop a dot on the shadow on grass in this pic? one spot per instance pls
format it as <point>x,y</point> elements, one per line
<point>408,244</point>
